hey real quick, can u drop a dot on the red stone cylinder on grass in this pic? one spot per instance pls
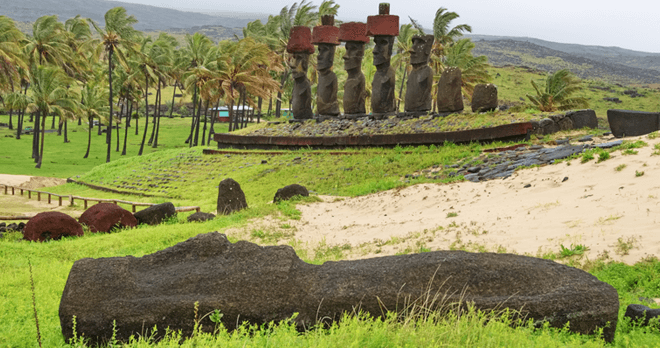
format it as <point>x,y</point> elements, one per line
<point>51,225</point>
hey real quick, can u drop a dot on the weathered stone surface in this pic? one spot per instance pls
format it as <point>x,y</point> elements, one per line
<point>627,123</point>
<point>420,81</point>
<point>384,81</point>
<point>450,97</point>
<point>286,192</point>
<point>484,97</point>
<point>155,214</point>
<point>565,123</point>
<point>103,217</point>
<point>248,282</point>
<point>640,312</point>
<point>583,118</point>
<point>301,97</point>
<point>51,225</point>
<point>230,197</point>
<point>548,126</point>
<point>200,217</point>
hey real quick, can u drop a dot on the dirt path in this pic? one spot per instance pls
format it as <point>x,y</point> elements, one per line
<point>17,205</point>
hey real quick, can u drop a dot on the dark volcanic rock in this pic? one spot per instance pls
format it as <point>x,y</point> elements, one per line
<point>51,225</point>
<point>287,192</point>
<point>248,282</point>
<point>103,217</point>
<point>627,123</point>
<point>200,217</point>
<point>583,118</point>
<point>640,312</point>
<point>230,197</point>
<point>155,214</point>
<point>450,97</point>
<point>484,98</point>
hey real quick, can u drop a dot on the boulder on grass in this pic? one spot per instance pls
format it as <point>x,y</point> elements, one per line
<point>450,96</point>
<point>484,97</point>
<point>103,217</point>
<point>200,217</point>
<point>51,225</point>
<point>155,214</point>
<point>583,118</point>
<point>638,312</point>
<point>287,192</point>
<point>230,197</point>
<point>260,284</point>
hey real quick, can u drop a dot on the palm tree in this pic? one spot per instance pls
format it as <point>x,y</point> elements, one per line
<point>11,58</point>
<point>445,36</point>
<point>473,69</point>
<point>558,91</point>
<point>241,70</point>
<point>118,32</point>
<point>197,51</point>
<point>48,43</point>
<point>93,106</point>
<point>50,94</point>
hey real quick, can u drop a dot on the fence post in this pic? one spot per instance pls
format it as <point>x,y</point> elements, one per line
<point>60,198</point>
<point>71,200</point>
<point>38,196</point>
<point>49,198</point>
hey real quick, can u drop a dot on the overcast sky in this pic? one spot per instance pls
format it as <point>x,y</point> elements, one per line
<point>632,24</point>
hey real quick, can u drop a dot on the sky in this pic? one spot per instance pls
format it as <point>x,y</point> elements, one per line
<point>631,24</point>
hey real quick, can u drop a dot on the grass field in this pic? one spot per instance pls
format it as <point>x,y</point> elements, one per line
<point>186,177</point>
<point>63,160</point>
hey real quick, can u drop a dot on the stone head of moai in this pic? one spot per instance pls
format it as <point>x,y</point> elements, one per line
<point>421,49</point>
<point>384,28</point>
<point>354,34</point>
<point>300,47</point>
<point>326,37</point>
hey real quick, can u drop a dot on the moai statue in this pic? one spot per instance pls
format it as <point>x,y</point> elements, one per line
<point>384,28</point>
<point>300,46</point>
<point>326,38</point>
<point>420,81</point>
<point>355,36</point>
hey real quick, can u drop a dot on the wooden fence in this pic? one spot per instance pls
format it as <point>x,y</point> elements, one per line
<point>71,199</point>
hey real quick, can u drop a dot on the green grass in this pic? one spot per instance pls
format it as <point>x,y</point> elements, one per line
<point>65,160</point>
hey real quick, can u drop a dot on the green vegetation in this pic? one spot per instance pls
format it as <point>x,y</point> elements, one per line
<point>557,93</point>
<point>573,250</point>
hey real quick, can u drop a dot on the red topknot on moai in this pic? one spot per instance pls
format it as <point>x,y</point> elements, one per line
<point>326,36</point>
<point>355,36</point>
<point>384,28</point>
<point>300,46</point>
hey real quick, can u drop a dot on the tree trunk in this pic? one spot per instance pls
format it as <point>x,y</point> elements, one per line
<point>259,110</point>
<point>52,126</point>
<point>146,111</point>
<point>19,126</point>
<point>192,123</point>
<point>156,115</point>
<point>405,70</point>
<point>66,132</point>
<point>128,120</point>
<point>174,93</point>
<point>270,105</point>
<point>231,112</point>
<point>157,125</point>
<point>206,111</point>
<point>43,135</point>
<point>35,138</point>
<point>199,119</point>
<point>90,119</point>
<point>109,135</point>
<point>278,103</point>
<point>213,118</point>
<point>11,125</point>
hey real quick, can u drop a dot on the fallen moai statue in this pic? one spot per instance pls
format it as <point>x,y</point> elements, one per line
<point>248,282</point>
<point>628,123</point>
<point>51,225</point>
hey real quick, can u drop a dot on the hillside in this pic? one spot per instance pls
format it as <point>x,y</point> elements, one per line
<point>149,18</point>
<point>612,64</point>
